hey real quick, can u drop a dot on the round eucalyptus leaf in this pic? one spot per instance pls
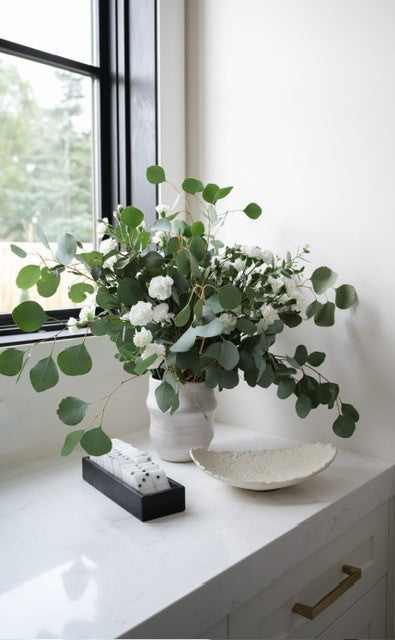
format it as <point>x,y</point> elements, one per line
<point>323,278</point>
<point>29,316</point>
<point>325,317</point>
<point>48,283</point>
<point>71,441</point>
<point>316,358</point>
<point>210,192</point>
<point>11,361</point>
<point>66,248</point>
<point>132,217</point>
<point>185,342</point>
<point>197,228</point>
<point>350,410</point>
<point>285,388</point>
<point>41,235</point>
<point>28,276</point>
<point>96,442</point>
<point>344,426</point>
<point>229,296</point>
<point>313,308</point>
<point>75,361</point>
<point>44,375</point>
<point>155,174</point>
<point>303,406</point>
<point>165,396</point>
<point>345,296</point>
<point>223,192</point>
<point>182,316</point>
<point>301,354</point>
<point>78,292</point>
<point>253,210</point>
<point>192,186</point>
<point>71,410</point>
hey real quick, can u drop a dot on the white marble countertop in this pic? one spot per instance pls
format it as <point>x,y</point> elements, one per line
<point>75,565</point>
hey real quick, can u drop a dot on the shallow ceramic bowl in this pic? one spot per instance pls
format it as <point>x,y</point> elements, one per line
<point>266,469</point>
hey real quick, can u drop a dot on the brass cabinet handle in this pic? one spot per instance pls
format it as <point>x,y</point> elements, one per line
<point>353,574</point>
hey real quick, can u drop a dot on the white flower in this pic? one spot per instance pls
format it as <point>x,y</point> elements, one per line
<point>267,256</point>
<point>72,325</point>
<point>158,237</point>
<point>160,287</point>
<point>141,314</point>
<point>87,313</point>
<point>101,227</point>
<point>162,209</point>
<point>152,348</point>
<point>239,264</point>
<point>161,312</point>
<point>226,265</point>
<point>275,283</point>
<point>105,247</point>
<point>229,322</point>
<point>269,315</point>
<point>252,252</point>
<point>142,337</point>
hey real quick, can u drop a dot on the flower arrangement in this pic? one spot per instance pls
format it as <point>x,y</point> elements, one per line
<point>179,304</point>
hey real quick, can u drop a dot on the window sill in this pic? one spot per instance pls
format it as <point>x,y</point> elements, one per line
<point>39,336</point>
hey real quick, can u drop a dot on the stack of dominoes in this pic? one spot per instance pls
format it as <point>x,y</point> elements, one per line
<point>134,467</point>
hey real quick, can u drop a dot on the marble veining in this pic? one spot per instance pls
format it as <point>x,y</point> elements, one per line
<point>75,565</point>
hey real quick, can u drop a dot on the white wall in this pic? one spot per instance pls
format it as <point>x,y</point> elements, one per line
<point>29,426</point>
<point>293,101</point>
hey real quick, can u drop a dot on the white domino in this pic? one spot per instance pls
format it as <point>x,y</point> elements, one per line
<point>159,478</point>
<point>134,467</point>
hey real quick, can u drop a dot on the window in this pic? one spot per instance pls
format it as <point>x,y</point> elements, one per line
<point>77,125</point>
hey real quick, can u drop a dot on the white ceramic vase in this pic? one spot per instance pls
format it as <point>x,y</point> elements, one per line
<point>172,436</point>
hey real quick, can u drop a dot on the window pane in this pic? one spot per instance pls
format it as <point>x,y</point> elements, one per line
<point>62,27</point>
<point>46,167</point>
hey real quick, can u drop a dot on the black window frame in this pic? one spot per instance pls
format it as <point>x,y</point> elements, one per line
<point>126,118</point>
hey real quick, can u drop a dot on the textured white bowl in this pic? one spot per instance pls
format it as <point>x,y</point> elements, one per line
<point>266,469</point>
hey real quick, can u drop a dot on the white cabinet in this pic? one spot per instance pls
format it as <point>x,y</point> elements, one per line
<point>365,546</point>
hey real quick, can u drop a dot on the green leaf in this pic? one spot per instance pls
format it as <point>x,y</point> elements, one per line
<point>191,185</point>
<point>210,192</point>
<point>210,330</point>
<point>44,375</point>
<point>286,387</point>
<point>188,359</point>
<point>78,292</point>
<point>102,326</point>
<point>132,216</point>
<point>183,263</point>
<point>223,192</point>
<point>313,308</point>
<point>228,379</point>
<point>316,358</point>
<point>28,276</point>
<point>229,296</point>
<point>303,406</point>
<point>48,283</point>
<point>72,410</point>
<point>71,441</point>
<point>198,248</point>
<point>185,342</point>
<point>182,316</point>
<point>267,378</point>
<point>350,410</point>
<point>96,442</point>
<point>290,318</point>
<point>212,377</point>
<point>129,291</point>
<point>173,245</point>
<point>197,228</point>
<point>326,315</point>
<point>18,251</point>
<point>142,367</point>
<point>11,361</point>
<point>253,210</point>
<point>41,236</point>
<point>92,258</point>
<point>246,326</point>
<point>29,316</point>
<point>165,396</point>
<point>225,353</point>
<point>66,248</point>
<point>344,426</point>
<point>153,260</point>
<point>105,299</point>
<point>276,327</point>
<point>301,354</point>
<point>155,174</point>
<point>345,296</point>
<point>75,361</point>
<point>323,278</point>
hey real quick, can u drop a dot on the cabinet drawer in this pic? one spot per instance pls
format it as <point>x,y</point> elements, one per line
<point>269,614</point>
<point>365,619</point>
